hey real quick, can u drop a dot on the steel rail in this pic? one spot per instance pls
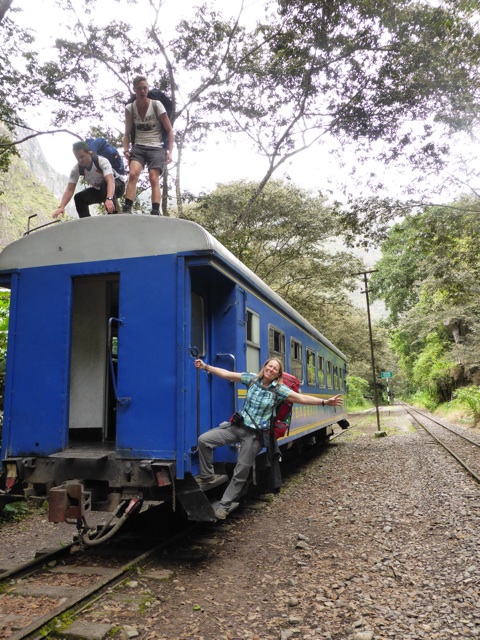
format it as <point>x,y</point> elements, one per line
<point>79,601</point>
<point>445,426</point>
<point>470,471</point>
<point>23,568</point>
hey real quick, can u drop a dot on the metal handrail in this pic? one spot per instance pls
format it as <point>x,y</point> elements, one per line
<point>120,400</point>
<point>40,226</point>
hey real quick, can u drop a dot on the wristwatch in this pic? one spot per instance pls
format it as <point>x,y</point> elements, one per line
<point>107,198</point>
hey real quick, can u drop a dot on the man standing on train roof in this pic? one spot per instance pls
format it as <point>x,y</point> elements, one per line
<point>264,391</point>
<point>147,116</point>
<point>106,185</point>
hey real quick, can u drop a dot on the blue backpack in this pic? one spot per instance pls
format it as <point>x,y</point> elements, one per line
<point>103,148</point>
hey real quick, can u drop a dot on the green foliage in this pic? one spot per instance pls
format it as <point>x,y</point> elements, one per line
<point>4,314</point>
<point>357,389</point>
<point>422,399</point>
<point>428,277</point>
<point>284,239</point>
<point>22,195</point>
<point>432,371</point>
<point>56,627</point>
<point>385,60</point>
<point>19,80</point>
<point>15,511</point>
<point>21,509</point>
<point>470,396</point>
<point>433,254</point>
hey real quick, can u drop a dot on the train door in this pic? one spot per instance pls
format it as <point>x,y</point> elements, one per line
<point>215,318</point>
<point>93,362</point>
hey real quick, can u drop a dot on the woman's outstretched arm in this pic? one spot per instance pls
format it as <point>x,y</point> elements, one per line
<point>234,376</point>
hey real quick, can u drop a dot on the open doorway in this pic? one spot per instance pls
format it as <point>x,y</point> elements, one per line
<point>93,358</point>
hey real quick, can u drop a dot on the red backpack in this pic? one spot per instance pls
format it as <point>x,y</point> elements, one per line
<point>283,411</point>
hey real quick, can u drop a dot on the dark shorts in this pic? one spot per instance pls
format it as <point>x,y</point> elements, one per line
<point>152,157</point>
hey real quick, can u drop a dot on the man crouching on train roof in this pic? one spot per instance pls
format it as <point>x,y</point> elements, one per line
<point>106,185</point>
<point>245,428</point>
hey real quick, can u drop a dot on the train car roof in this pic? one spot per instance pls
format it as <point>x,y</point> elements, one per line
<point>101,238</point>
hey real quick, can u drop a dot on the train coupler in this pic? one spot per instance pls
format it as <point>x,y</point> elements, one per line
<point>67,503</point>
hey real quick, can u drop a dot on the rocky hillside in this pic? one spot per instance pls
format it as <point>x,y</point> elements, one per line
<point>30,187</point>
<point>33,157</point>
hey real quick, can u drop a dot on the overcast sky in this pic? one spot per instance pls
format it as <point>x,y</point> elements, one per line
<point>219,161</point>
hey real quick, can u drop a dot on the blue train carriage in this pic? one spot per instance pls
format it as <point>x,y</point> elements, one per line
<point>103,405</point>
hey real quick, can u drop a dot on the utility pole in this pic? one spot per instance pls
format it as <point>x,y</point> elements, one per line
<point>375,392</point>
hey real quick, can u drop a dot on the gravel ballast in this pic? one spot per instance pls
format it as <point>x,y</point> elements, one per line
<point>377,538</point>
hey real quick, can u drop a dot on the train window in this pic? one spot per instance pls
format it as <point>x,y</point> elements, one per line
<point>198,331</point>
<point>321,371</point>
<point>311,377</point>
<point>276,344</point>
<point>329,375</point>
<point>335,377</point>
<point>296,358</point>
<point>253,341</point>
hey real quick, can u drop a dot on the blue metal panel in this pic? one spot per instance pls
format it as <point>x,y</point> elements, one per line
<point>37,367</point>
<point>147,367</point>
<point>184,427</point>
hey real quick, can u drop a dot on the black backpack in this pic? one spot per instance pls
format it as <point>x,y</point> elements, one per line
<point>155,94</point>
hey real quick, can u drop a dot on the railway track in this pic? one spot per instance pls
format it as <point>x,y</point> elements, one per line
<point>462,446</point>
<point>66,580</point>
<point>62,583</point>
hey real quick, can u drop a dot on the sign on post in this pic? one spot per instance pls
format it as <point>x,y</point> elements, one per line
<point>386,374</point>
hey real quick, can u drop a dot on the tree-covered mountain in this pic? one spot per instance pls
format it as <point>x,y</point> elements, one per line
<point>30,186</point>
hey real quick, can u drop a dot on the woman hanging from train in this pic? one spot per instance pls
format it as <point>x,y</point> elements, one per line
<point>246,425</point>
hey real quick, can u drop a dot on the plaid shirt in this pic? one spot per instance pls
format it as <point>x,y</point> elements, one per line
<point>260,401</point>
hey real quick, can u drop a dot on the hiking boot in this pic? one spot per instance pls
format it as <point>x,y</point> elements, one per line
<point>153,212</point>
<point>221,513</point>
<point>211,482</point>
<point>127,208</point>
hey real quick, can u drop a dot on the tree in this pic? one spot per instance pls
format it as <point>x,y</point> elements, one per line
<point>428,277</point>
<point>15,53</point>
<point>396,71</point>
<point>361,71</point>
<point>288,238</point>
